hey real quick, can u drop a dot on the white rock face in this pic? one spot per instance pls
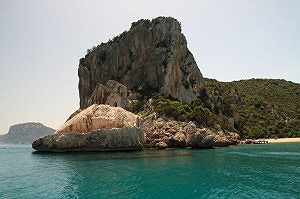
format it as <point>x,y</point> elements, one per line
<point>97,117</point>
<point>96,128</point>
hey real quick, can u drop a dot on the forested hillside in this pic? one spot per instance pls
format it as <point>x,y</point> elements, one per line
<point>256,108</point>
<point>263,107</point>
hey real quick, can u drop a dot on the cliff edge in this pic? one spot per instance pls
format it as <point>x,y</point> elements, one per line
<point>151,57</point>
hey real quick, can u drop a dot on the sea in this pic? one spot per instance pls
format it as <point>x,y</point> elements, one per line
<point>245,171</point>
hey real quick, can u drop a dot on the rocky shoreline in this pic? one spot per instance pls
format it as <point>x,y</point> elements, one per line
<point>164,133</point>
<point>107,128</point>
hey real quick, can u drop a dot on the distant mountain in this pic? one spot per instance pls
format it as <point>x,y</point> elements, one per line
<point>25,133</point>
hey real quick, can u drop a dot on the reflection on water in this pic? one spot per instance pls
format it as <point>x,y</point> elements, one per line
<point>86,156</point>
<point>91,174</point>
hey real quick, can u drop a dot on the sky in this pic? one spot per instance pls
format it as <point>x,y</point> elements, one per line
<point>41,43</point>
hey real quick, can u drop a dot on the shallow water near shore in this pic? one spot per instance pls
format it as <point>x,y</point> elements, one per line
<point>247,171</point>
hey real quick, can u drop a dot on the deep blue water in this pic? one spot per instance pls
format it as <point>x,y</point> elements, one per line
<point>248,171</point>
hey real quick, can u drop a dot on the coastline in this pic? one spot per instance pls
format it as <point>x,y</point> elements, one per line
<point>282,140</point>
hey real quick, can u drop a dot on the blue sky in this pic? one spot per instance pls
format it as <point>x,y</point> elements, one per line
<point>42,42</point>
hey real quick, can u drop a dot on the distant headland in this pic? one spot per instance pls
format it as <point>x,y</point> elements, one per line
<point>25,133</point>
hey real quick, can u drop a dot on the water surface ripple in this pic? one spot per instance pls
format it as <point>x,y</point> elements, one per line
<point>249,171</point>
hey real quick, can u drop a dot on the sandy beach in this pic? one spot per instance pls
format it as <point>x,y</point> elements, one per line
<point>280,140</point>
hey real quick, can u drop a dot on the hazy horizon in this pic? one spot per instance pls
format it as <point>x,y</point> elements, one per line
<point>42,42</point>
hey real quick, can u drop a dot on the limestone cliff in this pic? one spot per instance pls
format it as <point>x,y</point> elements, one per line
<point>152,55</point>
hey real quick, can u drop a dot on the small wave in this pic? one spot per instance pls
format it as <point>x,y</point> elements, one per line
<point>281,153</point>
<point>244,154</point>
<point>114,156</point>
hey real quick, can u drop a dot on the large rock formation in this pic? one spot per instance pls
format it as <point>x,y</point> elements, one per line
<point>152,55</point>
<point>124,73</point>
<point>97,128</point>
<point>25,133</point>
<point>116,139</point>
<point>98,117</point>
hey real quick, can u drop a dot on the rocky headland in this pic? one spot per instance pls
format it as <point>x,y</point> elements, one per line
<point>120,83</point>
<point>25,133</point>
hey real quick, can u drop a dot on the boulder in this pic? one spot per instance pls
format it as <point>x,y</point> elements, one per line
<point>97,117</point>
<point>97,128</point>
<point>177,141</point>
<point>222,139</point>
<point>161,145</point>
<point>199,139</point>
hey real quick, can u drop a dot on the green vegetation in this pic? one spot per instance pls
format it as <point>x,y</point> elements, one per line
<point>261,107</point>
<point>92,49</point>
<point>197,111</point>
<point>256,108</point>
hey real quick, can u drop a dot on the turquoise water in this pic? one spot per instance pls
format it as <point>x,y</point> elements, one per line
<point>248,171</point>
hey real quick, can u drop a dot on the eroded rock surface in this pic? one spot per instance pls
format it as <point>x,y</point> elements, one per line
<point>98,117</point>
<point>164,133</point>
<point>113,94</point>
<point>96,128</point>
<point>152,55</point>
<point>226,139</point>
<point>117,139</point>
